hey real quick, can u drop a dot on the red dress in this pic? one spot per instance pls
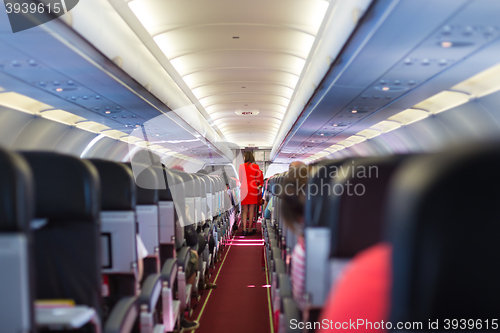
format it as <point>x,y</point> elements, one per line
<point>250,177</point>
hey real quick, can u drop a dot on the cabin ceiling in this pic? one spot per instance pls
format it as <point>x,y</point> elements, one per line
<point>402,53</point>
<point>237,56</point>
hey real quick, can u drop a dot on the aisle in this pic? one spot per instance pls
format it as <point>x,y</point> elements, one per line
<point>240,303</point>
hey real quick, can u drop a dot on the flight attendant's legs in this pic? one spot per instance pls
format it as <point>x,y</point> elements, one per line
<point>251,213</point>
<point>244,214</point>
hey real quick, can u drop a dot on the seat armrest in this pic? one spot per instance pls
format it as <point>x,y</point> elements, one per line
<point>151,291</point>
<point>285,285</point>
<point>169,272</point>
<point>292,312</point>
<point>279,266</point>
<point>183,257</point>
<point>123,316</point>
<point>276,252</point>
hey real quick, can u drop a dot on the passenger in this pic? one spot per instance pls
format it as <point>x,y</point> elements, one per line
<point>363,290</point>
<point>296,164</point>
<point>202,242</point>
<point>192,241</point>
<point>265,200</point>
<point>251,182</point>
<point>293,201</point>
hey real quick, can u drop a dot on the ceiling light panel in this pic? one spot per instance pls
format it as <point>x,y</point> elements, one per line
<point>62,117</point>
<point>92,126</point>
<point>22,103</point>
<point>482,84</point>
<point>409,116</point>
<point>236,55</point>
<point>443,101</point>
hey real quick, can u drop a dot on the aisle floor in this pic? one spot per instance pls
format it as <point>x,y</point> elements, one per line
<point>240,302</point>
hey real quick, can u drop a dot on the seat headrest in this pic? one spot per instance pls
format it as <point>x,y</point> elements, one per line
<point>189,185</point>
<point>443,215</point>
<point>197,184</point>
<point>203,186</point>
<point>66,187</point>
<point>165,194</point>
<point>118,190</point>
<point>147,187</point>
<point>176,187</point>
<point>317,209</point>
<point>17,197</point>
<point>208,182</point>
<point>356,221</point>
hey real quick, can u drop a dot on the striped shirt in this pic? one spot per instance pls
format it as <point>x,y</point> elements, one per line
<point>298,273</point>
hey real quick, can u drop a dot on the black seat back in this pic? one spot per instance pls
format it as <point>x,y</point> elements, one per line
<point>443,215</point>
<point>356,221</point>
<point>118,190</point>
<point>67,248</point>
<point>118,197</point>
<point>317,209</point>
<point>176,187</point>
<point>16,266</point>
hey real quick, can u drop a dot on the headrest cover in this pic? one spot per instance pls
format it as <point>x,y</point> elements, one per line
<point>187,179</point>
<point>317,210</point>
<point>117,185</point>
<point>17,198</point>
<point>176,186</point>
<point>165,195</point>
<point>147,186</point>
<point>357,214</point>
<point>208,182</point>
<point>444,218</point>
<point>66,187</point>
<point>203,186</point>
<point>197,184</point>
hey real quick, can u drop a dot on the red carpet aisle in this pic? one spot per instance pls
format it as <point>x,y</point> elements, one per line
<point>240,303</point>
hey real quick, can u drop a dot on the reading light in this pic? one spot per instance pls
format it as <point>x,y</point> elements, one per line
<point>446,44</point>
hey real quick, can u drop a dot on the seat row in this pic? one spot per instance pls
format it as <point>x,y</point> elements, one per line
<point>432,219</point>
<point>101,245</point>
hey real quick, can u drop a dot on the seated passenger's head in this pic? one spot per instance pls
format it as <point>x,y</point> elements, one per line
<point>293,197</point>
<point>296,164</point>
